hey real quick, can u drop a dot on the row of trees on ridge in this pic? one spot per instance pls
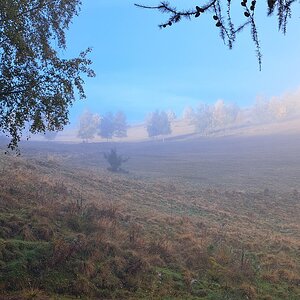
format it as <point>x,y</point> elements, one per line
<point>205,118</point>
<point>220,115</point>
<point>106,126</point>
<point>158,123</point>
<point>208,117</point>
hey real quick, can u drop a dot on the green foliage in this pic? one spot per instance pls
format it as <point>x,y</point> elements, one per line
<point>115,161</point>
<point>24,262</point>
<point>37,87</point>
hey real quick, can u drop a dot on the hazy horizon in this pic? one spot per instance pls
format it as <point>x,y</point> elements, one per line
<point>141,68</point>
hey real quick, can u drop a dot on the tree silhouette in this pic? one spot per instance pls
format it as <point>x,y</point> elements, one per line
<point>37,87</point>
<point>165,127</point>
<point>222,16</point>
<point>106,129</point>
<point>115,161</point>
<point>206,117</point>
<point>203,118</point>
<point>88,126</point>
<point>158,124</point>
<point>120,125</point>
<point>188,114</point>
<point>113,125</point>
<point>224,114</point>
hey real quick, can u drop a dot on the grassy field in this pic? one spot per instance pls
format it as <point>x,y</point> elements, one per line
<point>214,218</point>
<point>230,162</point>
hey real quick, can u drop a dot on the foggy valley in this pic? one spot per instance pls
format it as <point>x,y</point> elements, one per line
<point>228,206</point>
<point>149,162</point>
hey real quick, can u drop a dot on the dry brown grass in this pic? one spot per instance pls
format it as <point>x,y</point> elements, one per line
<point>130,235</point>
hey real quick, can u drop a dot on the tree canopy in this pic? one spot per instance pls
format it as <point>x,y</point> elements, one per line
<point>88,125</point>
<point>113,125</point>
<point>37,87</point>
<point>222,16</point>
<point>115,161</point>
<point>106,128</point>
<point>120,125</point>
<point>158,123</point>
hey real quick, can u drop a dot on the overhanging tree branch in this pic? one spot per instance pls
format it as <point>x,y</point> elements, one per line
<point>227,27</point>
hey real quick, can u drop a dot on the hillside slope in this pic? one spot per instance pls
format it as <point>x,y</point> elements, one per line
<point>69,232</point>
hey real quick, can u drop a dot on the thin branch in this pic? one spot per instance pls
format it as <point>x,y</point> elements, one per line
<point>226,25</point>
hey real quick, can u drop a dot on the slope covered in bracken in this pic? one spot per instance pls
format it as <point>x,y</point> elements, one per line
<point>68,232</point>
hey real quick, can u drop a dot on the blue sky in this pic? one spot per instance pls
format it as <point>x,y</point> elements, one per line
<point>141,68</point>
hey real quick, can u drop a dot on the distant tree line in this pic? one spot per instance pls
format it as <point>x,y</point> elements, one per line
<point>106,126</point>
<point>276,108</point>
<point>210,118</point>
<point>206,118</point>
<point>158,123</point>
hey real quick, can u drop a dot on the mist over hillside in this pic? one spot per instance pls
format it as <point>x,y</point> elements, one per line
<point>211,214</point>
<point>147,164</point>
<point>277,115</point>
<point>195,218</point>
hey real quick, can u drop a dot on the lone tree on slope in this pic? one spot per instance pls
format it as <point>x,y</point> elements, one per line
<point>115,161</point>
